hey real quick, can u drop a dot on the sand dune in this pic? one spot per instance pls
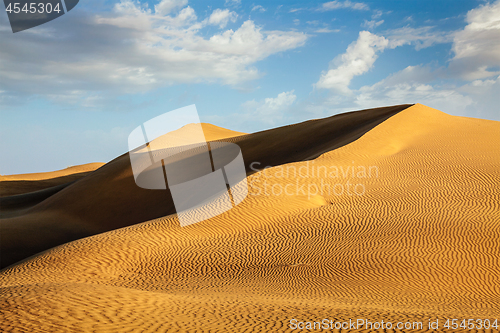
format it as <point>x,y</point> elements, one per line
<point>421,242</point>
<point>53,174</point>
<point>109,198</point>
<point>31,182</point>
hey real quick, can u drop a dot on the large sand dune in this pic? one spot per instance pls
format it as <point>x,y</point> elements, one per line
<point>414,235</point>
<point>109,198</point>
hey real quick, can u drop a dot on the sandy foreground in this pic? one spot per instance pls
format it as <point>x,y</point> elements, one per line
<point>397,219</point>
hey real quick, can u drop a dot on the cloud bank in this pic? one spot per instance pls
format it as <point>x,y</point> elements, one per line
<point>134,48</point>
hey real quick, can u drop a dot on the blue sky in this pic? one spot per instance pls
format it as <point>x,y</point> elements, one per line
<point>72,90</point>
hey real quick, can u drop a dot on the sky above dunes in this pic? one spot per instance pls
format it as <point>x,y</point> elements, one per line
<point>73,89</point>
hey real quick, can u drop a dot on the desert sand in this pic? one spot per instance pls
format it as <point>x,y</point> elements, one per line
<point>413,235</point>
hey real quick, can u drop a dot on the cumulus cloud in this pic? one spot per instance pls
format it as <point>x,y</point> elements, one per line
<point>333,5</point>
<point>222,17</point>
<point>133,49</point>
<point>477,46</point>
<point>358,59</point>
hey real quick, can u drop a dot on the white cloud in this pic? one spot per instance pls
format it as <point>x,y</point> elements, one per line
<point>333,5</point>
<point>414,75</point>
<point>259,8</point>
<point>477,46</point>
<point>372,24</point>
<point>358,59</point>
<point>418,84</point>
<point>441,98</point>
<point>129,14</point>
<point>400,88</point>
<point>485,98</point>
<point>134,49</point>
<point>232,2</point>
<point>165,7</point>
<point>326,30</point>
<point>477,99</point>
<point>376,14</point>
<point>222,17</point>
<point>476,59</point>
<point>410,85</point>
<point>421,37</point>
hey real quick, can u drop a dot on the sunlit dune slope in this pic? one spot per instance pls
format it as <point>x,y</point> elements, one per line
<point>109,198</point>
<point>420,242</point>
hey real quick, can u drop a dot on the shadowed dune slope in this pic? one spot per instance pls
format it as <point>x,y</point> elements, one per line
<point>420,242</point>
<point>109,198</point>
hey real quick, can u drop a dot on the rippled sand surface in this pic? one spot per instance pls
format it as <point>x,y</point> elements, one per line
<point>413,235</point>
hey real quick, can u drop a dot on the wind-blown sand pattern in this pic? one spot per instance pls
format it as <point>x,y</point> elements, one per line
<point>421,242</point>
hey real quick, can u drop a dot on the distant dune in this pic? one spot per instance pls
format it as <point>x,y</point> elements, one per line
<point>30,182</point>
<point>76,169</point>
<point>389,213</point>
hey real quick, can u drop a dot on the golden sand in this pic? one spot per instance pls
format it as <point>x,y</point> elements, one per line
<point>421,242</point>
